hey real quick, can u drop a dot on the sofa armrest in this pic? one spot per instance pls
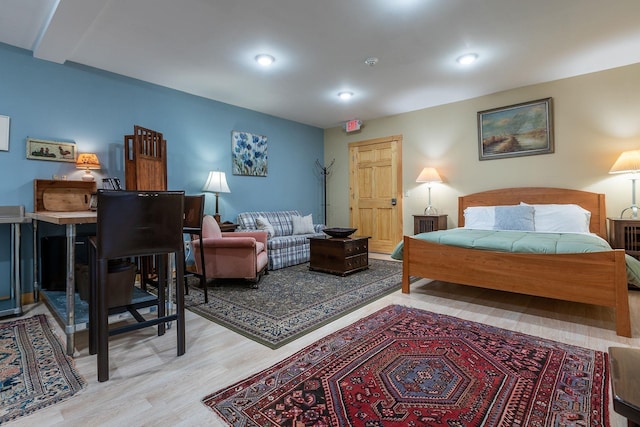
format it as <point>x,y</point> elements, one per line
<point>319,227</point>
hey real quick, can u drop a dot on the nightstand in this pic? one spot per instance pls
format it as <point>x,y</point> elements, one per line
<point>624,234</point>
<point>428,223</point>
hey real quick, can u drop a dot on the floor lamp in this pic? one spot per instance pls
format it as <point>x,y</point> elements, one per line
<point>629,162</point>
<point>430,176</point>
<point>216,183</point>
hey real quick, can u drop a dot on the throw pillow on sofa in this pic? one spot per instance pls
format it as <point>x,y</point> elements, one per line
<point>264,225</point>
<point>302,224</point>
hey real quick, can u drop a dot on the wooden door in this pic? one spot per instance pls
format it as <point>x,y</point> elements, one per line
<point>375,191</point>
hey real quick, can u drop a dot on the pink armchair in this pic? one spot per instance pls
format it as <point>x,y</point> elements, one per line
<point>231,255</point>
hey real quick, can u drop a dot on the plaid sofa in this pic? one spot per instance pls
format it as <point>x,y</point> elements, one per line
<point>284,248</point>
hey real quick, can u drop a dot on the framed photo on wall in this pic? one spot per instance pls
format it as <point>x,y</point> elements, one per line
<point>516,130</point>
<point>248,154</point>
<point>39,149</point>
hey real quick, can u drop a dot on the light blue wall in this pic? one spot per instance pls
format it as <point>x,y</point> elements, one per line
<point>95,109</point>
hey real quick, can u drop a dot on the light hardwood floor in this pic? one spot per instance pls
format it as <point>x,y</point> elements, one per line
<point>150,386</point>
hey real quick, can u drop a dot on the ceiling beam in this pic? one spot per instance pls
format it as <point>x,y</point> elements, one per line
<point>69,21</point>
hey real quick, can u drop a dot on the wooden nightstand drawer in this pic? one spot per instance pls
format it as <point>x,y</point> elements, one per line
<point>429,223</point>
<point>625,234</point>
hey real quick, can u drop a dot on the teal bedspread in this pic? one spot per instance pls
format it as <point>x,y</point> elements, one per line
<point>523,242</point>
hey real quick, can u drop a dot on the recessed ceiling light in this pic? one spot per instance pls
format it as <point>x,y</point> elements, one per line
<point>467,59</point>
<point>264,59</point>
<point>345,95</point>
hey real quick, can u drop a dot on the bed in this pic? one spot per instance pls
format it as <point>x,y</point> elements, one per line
<point>598,278</point>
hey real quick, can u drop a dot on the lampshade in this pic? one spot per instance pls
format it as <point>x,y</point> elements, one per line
<point>628,162</point>
<point>87,161</point>
<point>429,175</point>
<point>216,183</point>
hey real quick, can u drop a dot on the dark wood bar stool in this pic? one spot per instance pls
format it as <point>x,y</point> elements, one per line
<point>133,224</point>
<point>193,214</point>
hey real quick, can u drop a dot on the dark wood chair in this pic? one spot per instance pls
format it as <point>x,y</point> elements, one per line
<point>193,214</point>
<point>133,224</point>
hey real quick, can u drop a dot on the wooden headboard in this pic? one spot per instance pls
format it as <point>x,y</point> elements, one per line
<point>593,202</point>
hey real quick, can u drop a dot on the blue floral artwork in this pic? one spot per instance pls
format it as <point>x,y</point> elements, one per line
<point>249,154</point>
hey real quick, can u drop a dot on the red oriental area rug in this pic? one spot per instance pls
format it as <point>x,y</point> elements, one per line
<point>407,367</point>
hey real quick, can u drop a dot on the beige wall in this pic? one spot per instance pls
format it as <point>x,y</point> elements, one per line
<point>597,116</point>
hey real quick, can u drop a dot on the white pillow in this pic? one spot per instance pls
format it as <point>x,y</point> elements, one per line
<point>302,224</point>
<point>480,217</point>
<point>560,218</point>
<point>519,218</point>
<point>263,224</point>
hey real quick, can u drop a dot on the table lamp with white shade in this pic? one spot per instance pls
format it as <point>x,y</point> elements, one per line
<point>629,163</point>
<point>216,183</point>
<point>430,176</point>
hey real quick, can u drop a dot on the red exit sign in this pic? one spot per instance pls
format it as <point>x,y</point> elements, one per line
<point>352,125</point>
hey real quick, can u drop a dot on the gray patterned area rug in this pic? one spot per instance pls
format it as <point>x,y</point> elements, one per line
<point>292,301</point>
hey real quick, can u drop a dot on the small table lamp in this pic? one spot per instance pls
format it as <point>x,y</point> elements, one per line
<point>629,162</point>
<point>87,161</point>
<point>430,176</point>
<point>216,183</point>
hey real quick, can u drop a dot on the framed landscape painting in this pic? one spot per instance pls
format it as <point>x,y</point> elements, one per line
<point>522,129</point>
<point>248,154</point>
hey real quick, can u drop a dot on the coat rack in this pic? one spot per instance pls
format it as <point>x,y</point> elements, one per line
<point>324,170</point>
